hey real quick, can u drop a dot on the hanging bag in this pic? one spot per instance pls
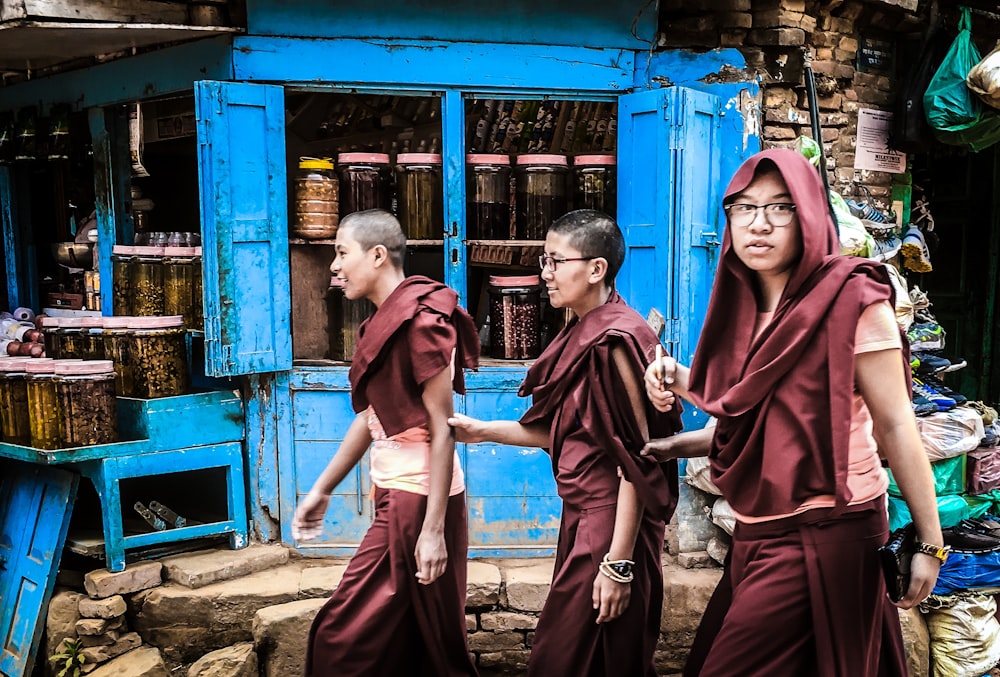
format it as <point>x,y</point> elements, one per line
<point>984,78</point>
<point>948,103</point>
<point>910,132</point>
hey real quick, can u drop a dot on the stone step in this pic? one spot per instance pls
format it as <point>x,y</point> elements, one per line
<point>198,569</point>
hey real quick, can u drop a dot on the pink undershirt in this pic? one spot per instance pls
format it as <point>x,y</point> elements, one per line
<point>403,461</point>
<point>866,478</point>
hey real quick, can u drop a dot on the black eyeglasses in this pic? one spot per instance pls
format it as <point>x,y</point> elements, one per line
<point>778,214</point>
<point>546,262</point>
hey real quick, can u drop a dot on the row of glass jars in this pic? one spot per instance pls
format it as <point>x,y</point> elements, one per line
<point>149,354</point>
<point>364,181</point>
<point>150,281</point>
<point>56,404</point>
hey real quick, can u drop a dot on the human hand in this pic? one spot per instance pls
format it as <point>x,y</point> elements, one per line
<point>431,554</point>
<point>307,523</point>
<point>610,598</point>
<point>923,575</point>
<point>664,448</point>
<point>467,429</point>
<point>659,376</point>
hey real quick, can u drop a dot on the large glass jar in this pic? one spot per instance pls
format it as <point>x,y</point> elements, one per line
<point>158,350</point>
<point>487,179</point>
<point>116,344</point>
<point>146,281</point>
<point>344,316</point>
<point>594,183</point>
<point>70,338</point>
<point>540,194</point>
<point>121,294</point>
<point>178,284</point>
<point>50,335</point>
<point>419,194</point>
<point>14,418</point>
<point>44,417</point>
<point>92,338</point>
<point>317,199</point>
<point>86,395</point>
<point>365,182</point>
<point>515,317</point>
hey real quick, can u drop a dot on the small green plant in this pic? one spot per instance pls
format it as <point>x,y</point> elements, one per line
<point>71,659</point>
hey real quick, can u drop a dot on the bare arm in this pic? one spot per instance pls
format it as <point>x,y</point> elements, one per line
<point>610,597</point>
<point>881,379</point>
<point>431,551</point>
<point>308,520</point>
<point>513,433</point>
<point>682,445</point>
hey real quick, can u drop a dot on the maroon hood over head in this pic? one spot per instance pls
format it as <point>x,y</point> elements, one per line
<point>784,399</point>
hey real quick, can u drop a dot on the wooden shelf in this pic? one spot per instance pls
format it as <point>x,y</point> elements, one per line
<point>330,243</point>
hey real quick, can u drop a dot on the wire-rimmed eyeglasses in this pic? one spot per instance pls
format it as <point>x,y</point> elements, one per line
<point>778,214</point>
<point>546,262</point>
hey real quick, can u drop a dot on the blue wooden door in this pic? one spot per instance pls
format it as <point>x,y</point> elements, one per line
<point>35,506</point>
<point>244,218</point>
<point>669,147</point>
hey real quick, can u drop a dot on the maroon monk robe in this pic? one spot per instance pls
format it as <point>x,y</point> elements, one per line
<point>577,390</point>
<point>381,622</point>
<point>783,400</point>
<point>390,365</point>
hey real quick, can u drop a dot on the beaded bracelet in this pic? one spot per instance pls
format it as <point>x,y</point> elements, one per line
<point>618,570</point>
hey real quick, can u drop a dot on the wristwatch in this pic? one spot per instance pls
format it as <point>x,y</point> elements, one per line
<point>940,552</point>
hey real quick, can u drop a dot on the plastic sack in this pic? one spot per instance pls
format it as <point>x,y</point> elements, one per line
<point>904,306</point>
<point>980,504</point>
<point>983,473</point>
<point>984,78</point>
<point>699,475</point>
<point>951,511</point>
<point>948,102</point>
<point>910,132</point>
<point>949,477</point>
<point>969,571</point>
<point>947,434</point>
<point>723,515</point>
<point>963,637</point>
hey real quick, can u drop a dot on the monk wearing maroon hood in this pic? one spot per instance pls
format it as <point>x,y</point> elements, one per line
<point>602,614</point>
<point>400,607</point>
<point>801,362</point>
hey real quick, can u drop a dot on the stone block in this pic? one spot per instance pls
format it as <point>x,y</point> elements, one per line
<point>190,622</point>
<point>141,576</point>
<point>807,23</point>
<point>694,521</point>
<point>104,639</point>
<point>61,619</point>
<point>735,19</point>
<point>91,626</point>
<point>196,570</point>
<point>732,37</point>
<point>145,661</point>
<point>502,621</point>
<point>100,654</point>
<point>483,585</point>
<point>717,549</point>
<point>527,587</point>
<point>848,44</point>
<point>513,662</point>
<point>495,641</point>
<point>702,560</point>
<point>280,635</point>
<point>777,36</point>
<point>109,607</point>
<point>321,581</point>
<point>685,595</point>
<point>239,660</point>
<point>778,96</point>
<point>823,54</point>
<point>471,624</point>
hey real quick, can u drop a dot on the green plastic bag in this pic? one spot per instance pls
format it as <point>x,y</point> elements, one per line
<point>949,477</point>
<point>949,104</point>
<point>951,511</point>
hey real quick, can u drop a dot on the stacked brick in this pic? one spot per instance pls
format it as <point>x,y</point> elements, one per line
<point>773,35</point>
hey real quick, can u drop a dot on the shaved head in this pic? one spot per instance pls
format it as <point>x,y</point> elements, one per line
<point>593,233</point>
<point>376,227</point>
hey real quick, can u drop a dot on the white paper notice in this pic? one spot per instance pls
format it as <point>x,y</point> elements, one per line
<point>873,151</point>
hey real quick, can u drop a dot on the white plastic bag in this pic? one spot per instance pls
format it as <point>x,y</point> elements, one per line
<point>723,515</point>
<point>947,434</point>
<point>984,78</point>
<point>700,475</point>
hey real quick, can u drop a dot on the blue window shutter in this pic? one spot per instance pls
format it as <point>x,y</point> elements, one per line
<point>35,507</point>
<point>698,222</point>
<point>668,187</point>
<point>646,203</point>
<point>244,214</point>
